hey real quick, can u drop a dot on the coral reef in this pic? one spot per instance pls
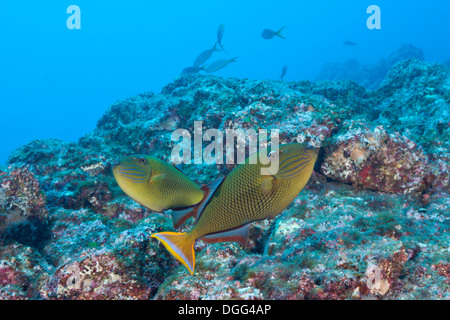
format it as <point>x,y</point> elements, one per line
<point>372,223</point>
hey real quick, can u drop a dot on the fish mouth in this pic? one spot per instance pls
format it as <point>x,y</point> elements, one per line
<point>309,146</point>
<point>114,163</point>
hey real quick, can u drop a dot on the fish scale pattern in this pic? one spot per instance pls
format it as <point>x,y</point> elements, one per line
<point>241,200</point>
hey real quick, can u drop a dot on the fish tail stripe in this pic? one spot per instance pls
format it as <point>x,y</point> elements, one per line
<point>180,245</point>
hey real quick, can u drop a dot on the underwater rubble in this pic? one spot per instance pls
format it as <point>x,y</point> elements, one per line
<point>372,223</point>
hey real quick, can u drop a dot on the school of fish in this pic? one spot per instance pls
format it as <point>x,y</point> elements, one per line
<point>200,62</point>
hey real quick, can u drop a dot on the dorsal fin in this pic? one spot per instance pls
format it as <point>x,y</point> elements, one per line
<point>180,215</point>
<point>179,167</point>
<point>209,190</point>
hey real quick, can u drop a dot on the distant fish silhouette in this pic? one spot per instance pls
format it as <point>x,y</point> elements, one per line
<point>283,72</point>
<point>204,56</point>
<point>219,64</point>
<point>350,43</point>
<point>220,32</point>
<point>192,70</point>
<point>269,34</point>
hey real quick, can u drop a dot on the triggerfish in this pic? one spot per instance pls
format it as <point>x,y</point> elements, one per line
<point>231,204</point>
<point>156,184</point>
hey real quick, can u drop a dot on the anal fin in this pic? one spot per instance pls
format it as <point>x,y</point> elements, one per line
<point>180,215</point>
<point>239,234</point>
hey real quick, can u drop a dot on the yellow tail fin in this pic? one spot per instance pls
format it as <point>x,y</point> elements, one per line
<point>180,245</point>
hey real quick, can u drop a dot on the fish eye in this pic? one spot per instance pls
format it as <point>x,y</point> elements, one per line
<point>142,160</point>
<point>273,155</point>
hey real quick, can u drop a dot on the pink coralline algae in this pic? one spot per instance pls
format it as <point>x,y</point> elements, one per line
<point>22,271</point>
<point>377,160</point>
<point>21,198</point>
<point>97,276</point>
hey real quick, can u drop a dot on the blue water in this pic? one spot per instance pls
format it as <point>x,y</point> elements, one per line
<point>56,82</point>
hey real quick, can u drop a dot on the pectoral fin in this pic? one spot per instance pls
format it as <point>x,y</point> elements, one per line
<point>157,177</point>
<point>268,184</point>
<point>239,234</point>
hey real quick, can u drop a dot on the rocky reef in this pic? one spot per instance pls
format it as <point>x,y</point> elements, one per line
<point>372,223</point>
<point>368,75</point>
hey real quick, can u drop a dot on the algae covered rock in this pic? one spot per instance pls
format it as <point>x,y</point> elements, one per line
<point>23,211</point>
<point>372,223</point>
<point>416,103</point>
<point>376,160</point>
